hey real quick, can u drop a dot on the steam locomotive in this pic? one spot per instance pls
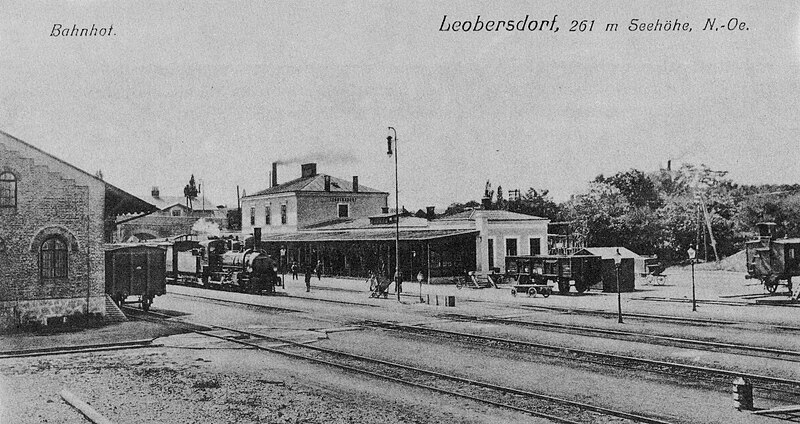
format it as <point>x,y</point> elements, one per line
<point>222,264</point>
<point>771,259</point>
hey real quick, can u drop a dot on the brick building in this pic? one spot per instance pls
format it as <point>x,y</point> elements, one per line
<point>54,221</point>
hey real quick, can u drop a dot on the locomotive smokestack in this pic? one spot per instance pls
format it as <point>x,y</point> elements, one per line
<point>257,238</point>
<point>274,174</point>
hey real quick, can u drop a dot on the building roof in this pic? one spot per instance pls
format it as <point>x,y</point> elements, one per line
<point>315,183</point>
<point>493,215</point>
<point>200,203</point>
<point>794,240</point>
<point>382,234</point>
<point>609,252</point>
<point>365,224</point>
<point>118,202</point>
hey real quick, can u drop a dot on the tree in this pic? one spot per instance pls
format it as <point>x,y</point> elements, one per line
<point>499,203</point>
<point>636,186</point>
<point>190,192</point>
<point>455,208</point>
<point>234,217</point>
<point>535,202</point>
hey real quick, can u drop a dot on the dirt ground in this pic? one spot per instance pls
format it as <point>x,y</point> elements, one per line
<point>188,378</point>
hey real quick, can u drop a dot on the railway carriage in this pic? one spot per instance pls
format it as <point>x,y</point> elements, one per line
<point>583,270</point>
<point>771,259</point>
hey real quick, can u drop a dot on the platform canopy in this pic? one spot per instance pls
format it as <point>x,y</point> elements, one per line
<point>382,234</point>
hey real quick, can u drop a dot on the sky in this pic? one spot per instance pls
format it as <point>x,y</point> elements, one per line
<point>222,89</point>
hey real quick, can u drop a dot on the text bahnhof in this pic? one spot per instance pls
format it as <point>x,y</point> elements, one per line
<point>529,24</point>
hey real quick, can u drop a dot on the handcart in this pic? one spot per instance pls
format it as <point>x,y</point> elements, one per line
<point>380,287</point>
<point>530,285</point>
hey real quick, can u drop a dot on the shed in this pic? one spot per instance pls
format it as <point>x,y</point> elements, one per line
<point>642,265</point>
<point>627,272</point>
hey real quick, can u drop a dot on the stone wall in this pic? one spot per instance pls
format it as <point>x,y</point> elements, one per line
<point>49,203</point>
<point>25,312</point>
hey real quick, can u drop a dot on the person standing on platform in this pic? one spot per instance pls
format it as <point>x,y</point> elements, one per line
<point>319,270</point>
<point>295,269</point>
<point>309,273</point>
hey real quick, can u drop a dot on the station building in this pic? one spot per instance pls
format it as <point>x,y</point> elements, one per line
<point>306,201</point>
<point>349,230</point>
<point>54,221</point>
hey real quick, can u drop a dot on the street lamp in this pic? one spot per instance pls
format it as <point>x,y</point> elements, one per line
<point>420,277</point>
<point>283,264</point>
<point>692,253</point>
<point>617,262</point>
<point>397,277</point>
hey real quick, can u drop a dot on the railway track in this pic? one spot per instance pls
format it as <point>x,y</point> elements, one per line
<point>535,404</point>
<point>773,388</point>
<point>341,302</point>
<point>63,350</point>
<point>707,345</point>
<point>662,318</point>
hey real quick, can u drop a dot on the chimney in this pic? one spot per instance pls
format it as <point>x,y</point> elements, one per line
<point>430,212</point>
<point>274,174</point>
<point>384,209</point>
<point>308,170</point>
<point>327,182</point>
<point>355,184</point>
<point>154,191</point>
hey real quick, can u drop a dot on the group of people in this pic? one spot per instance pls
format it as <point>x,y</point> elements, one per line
<point>309,272</point>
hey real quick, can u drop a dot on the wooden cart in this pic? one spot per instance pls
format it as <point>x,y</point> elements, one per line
<point>525,283</point>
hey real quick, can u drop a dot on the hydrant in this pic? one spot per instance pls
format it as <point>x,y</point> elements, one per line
<point>742,394</point>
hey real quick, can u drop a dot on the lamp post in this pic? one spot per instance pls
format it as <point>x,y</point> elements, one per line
<point>617,262</point>
<point>420,277</point>
<point>397,277</point>
<point>283,264</point>
<point>692,253</point>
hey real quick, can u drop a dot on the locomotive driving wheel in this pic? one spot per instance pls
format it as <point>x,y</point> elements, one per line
<point>771,283</point>
<point>581,288</point>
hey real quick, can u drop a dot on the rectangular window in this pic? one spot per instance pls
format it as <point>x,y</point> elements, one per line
<point>283,214</point>
<point>491,253</point>
<point>267,216</point>
<point>511,247</point>
<point>176,212</point>
<point>252,216</point>
<point>344,210</point>
<point>535,246</point>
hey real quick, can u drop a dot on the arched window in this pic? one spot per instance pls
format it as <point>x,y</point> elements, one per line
<point>8,190</point>
<point>53,258</point>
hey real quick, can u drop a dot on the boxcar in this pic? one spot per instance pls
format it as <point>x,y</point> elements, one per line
<point>135,270</point>
<point>583,270</point>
